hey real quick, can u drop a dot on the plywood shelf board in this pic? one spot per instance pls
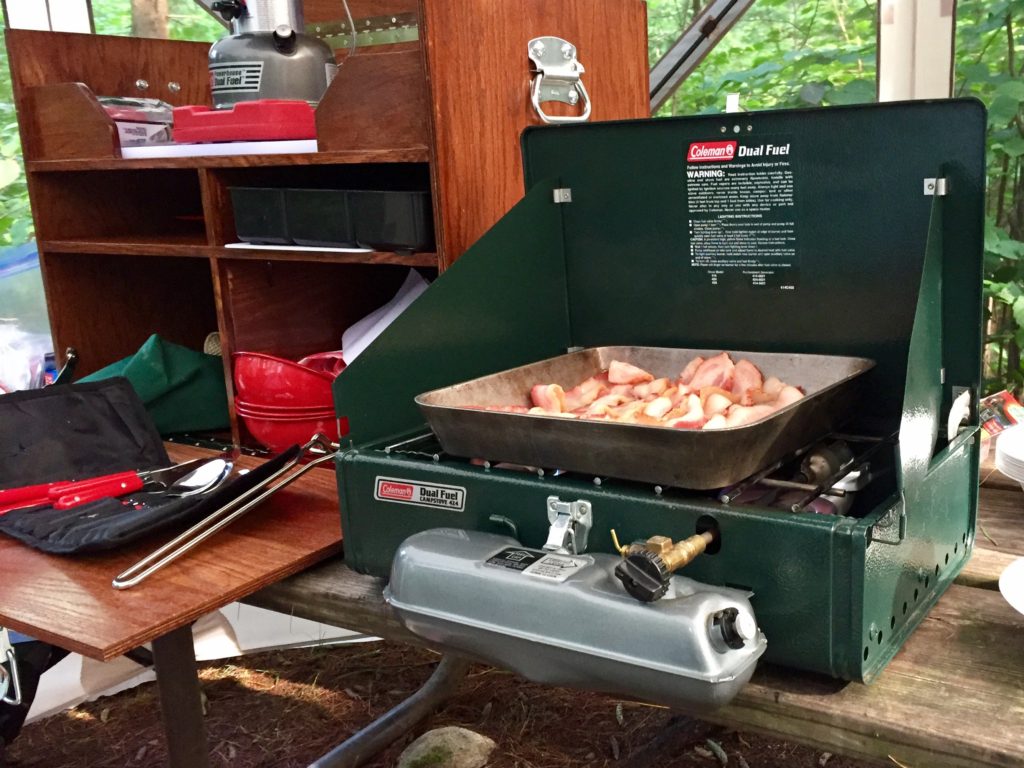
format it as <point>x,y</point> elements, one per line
<point>417,154</point>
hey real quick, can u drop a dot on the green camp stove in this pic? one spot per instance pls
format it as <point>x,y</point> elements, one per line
<point>847,233</point>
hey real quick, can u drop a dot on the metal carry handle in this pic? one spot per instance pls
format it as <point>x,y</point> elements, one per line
<point>557,78</point>
<point>222,517</point>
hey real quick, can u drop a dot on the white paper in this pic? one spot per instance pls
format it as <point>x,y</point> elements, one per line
<point>295,146</point>
<point>1011,584</point>
<point>362,333</point>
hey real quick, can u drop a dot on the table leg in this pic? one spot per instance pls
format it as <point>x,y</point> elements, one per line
<point>180,699</point>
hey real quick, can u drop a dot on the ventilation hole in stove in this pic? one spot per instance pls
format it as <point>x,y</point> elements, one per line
<point>892,622</point>
<point>866,649</point>
<point>964,539</point>
<point>956,547</point>
<point>936,569</point>
<point>904,609</point>
<point>947,558</point>
<point>915,595</point>
<point>927,581</point>
<point>708,523</point>
<point>879,637</point>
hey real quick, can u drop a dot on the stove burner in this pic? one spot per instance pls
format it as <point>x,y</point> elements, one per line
<point>830,471</point>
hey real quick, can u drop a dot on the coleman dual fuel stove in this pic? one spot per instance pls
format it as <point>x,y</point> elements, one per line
<point>838,249</point>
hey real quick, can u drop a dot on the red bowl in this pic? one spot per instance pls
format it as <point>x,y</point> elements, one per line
<point>280,434</point>
<point>273,381</point>
<point>280,417</point>
<point>256,409</point>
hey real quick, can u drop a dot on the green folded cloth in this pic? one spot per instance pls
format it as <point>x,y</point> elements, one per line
<point>182,389</point>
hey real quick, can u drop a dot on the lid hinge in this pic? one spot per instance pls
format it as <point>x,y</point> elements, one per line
<point>936,187</point>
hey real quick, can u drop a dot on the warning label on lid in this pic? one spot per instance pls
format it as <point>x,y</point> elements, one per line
<point>741,211</point>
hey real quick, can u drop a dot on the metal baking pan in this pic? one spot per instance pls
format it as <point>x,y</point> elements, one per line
<point>695,459</point>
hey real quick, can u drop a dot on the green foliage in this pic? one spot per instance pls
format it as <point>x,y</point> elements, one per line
<point>185,20</point>
<point>789,53</point>
<point>990,66</point>
<point>15,215</point>
<point>782,53</point>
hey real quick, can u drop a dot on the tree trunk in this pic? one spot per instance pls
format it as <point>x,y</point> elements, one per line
<point>149,18</point>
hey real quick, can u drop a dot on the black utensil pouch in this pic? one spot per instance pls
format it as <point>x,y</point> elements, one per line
<point>111,523</point>
<point>74,431</point>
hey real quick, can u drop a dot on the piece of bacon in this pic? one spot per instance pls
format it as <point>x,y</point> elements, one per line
<point>741,415</point>
<point>628,413</point>
<point>787,396</point>
<point>716,371</point>
<point>691,368</point>
<point>716,422</point>
<point>625,373</point>
<point>601,406</point>
<point>538,411</point>
<point>692,419</point>
<point>656,387</point>
<point>746,378</point>
<point>505,408</point>
<point>584,393</point>
<point>550,397</point>
<point>658,407</point>
<point>716,403</point>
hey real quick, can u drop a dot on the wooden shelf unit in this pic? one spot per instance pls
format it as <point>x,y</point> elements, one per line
<point>131,247</point>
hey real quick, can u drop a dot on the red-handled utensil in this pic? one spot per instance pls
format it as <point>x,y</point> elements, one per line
<point>9,496</point>
<point>184,481</point>
<point>102,489</point>
<point>64,494</point>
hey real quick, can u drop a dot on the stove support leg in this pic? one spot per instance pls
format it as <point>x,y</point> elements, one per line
<point>365,744</point>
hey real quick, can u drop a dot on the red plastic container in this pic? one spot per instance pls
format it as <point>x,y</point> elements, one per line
<point>265,380</point>
<point>263,120</point>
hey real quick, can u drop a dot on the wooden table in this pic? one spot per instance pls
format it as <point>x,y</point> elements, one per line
<point>953,696</point>
<point>69,601</point>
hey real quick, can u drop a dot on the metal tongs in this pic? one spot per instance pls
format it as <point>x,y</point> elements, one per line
<point>226,515</point>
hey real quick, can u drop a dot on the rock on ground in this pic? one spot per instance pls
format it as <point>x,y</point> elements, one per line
<point>449,747</point>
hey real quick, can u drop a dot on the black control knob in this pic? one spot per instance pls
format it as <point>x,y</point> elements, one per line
<point>644,576</point>
<point>229,10</point>
<point>285,39</point>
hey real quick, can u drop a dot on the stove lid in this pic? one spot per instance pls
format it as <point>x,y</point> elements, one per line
<point>796,231</point>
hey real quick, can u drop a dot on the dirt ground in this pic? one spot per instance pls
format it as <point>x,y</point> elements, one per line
<point>284,709</point>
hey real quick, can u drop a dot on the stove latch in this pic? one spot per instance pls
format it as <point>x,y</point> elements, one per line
<point>571,522</point>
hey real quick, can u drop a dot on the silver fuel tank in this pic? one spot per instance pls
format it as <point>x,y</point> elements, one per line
<point>565,619</point>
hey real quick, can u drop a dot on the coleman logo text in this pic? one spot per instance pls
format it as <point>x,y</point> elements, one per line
<point>398,491</point>
<point>402,491</point>
<point>711,151</point>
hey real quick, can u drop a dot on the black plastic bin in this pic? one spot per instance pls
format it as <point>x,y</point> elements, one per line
<point>319,217</point>
<point>392,220</point>
<point>260,215</point>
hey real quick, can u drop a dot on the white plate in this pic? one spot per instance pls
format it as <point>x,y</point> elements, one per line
<point>1011,584</point>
